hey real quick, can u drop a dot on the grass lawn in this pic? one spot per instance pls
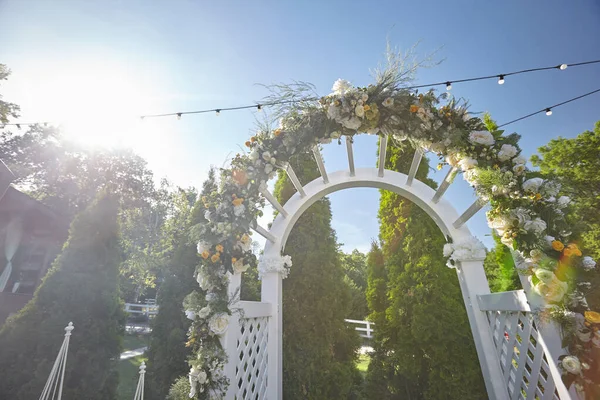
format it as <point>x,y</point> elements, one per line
<point>363,364</point>
<point>128,377</point>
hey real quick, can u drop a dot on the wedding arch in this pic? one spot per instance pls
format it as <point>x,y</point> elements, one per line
<point>237,344</point>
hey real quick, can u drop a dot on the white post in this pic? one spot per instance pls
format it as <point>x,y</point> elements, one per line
<point>369,329</point>
<point>473,282</point>
<point>271,292</point>
<point>139,391</point>
<point>57,374</point>
<point>229,339</point>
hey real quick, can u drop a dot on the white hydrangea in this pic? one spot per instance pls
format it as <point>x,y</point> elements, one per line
<point>203,280</point>
<point>463,250</point>
<point>501,223</point>
<point>481,137</point>
<point>588,263</point>
<point>266,156</point>
<point>536,226</point>
<point>533,185</point>
<point>506,152</point>
<point>341,86</point>
<point>351,123</point>
<point>239,210</point>
<point>202,247</point>
<point>254,154</point>
<point>563,201</point>
<point>204,312</point>
<point>190,314</point>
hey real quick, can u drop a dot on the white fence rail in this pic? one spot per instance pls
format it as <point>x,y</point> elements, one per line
<point>365,328</point>
<point>147,309</point>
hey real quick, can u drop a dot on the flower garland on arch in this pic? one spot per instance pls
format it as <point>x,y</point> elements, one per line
<point>527,211</point>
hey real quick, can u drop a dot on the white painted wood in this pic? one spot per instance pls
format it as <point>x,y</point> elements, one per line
<point>469,212</point>
<point>515,300</point>
<point>320,164</point>
<point>271,199</point>
<point>271,293</point>
<point>350,155</point>
<point>54,384</point>
<point>363,326</point>
<point>229,339</point>
<point>292,175</point>
<point>264,233</point>
<point>139,391</point>
<point>382,149</point>
<point>445,184</point>
<point>414,167</point>
<point>255,309</point>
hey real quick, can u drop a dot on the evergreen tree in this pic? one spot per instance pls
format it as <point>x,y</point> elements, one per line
<point>319,349</point>
<point>167,355</point>
<point>423,344</point>
<point>355,277</point>
<point>82,287</point>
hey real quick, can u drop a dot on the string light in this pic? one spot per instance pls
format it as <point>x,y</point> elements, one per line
<point>548,111</point>
<point>259,107</point>
<point>178,116</point>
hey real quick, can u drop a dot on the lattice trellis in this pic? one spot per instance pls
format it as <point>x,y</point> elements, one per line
<point>251,371</point>
<point>525,367</point>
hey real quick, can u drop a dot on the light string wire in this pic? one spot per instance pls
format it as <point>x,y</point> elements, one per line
<point>448,84</point>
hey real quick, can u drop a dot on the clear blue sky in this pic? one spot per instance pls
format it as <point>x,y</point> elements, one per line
<point>76,58</point>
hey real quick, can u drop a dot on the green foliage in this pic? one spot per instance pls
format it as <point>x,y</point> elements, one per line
<point>167,354</point>
<point>82,287</point>
<point>423,344</point>
<point>500,268</point>
<point>7,110</point>
<point>355,277</point>
<point>318,347</point>
<point>575,164</point>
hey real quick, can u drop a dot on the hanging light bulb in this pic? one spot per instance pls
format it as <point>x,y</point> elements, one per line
<point>500,79</point>
<point>218,112</point>
<point>563,66</point>
<point>18,126</point>
<point>448,85</point>
<point>258,107</point>
<point>178,116</point>
<point>548,111</point>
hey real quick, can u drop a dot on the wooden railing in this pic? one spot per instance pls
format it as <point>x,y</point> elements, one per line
<point>146,309</point>
<point>364,327</point>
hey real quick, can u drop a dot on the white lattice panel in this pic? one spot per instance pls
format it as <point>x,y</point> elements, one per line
<point>525,367</point>
<point>251,370</point>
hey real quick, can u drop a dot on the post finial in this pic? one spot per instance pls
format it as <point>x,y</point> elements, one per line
<point>68,329</point>
<point>142,367</point>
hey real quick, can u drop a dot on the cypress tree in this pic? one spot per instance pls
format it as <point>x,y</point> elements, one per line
<point>318,347</point>
<point>423,344</point>
<point>167,355</point>
<point>82,287</point>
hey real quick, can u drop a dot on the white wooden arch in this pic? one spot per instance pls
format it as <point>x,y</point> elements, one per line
<point>254,339</point>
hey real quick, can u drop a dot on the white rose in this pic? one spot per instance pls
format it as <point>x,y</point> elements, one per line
<point>351,123</point>
<point>204,312</point>
<point>202,247</point>
<point>545,275</point>
<point>558,290</point>
<point>266,156</point>
<point>537,226</point>
<point>467,163</point>
<point>203,280</point>
<point>470,176</point>
<point>572,364</point>
<point>239,267</point>
<point>452,160</point>
<point>519,169</point>
<point>341,86</point>
<point>218,323</point>
<point>519,160</point>
<point>359,111</point>
<point>507,151</point>
<point>207,215</point>
<point>533,185</point>
<point>588,263</point>
<point>389,102</point>
<point>190,314</point>
<point>365,97</point>
<point>481,137</point>
<point>254,155</point>
<point>332,112</point>
<point>521,215</point>
<point>239,210</point>
<point>563,201</point>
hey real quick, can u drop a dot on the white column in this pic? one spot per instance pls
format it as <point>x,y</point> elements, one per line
<point>14,232</point>
<point>271,292</point>
<point>229,339</point>
<point>139,391</point>
<point>473,282</point>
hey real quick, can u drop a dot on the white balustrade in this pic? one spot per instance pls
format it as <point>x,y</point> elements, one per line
<point>149,308</point>
<point>365,328</point>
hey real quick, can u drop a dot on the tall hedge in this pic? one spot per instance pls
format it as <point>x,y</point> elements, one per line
<point>82,287</point>
<point>318,347</point>
<point>423,344</point>
<point>167,355</point>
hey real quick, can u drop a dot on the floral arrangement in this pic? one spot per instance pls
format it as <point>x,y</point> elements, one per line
<point>527,211</point>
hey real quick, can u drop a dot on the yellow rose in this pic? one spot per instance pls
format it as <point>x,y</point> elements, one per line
<point>233,260</point>
<point>414,108</point>
<point>366,107</point>
<point>205,254</point>
<point>238,201</point>
<point>557,245</point>
<point>248,143</point>
<point>215,257</point>
<point>574,249</point>
<point>568,252</point>
<point>277,132</point>
<point>592,317</point>
<point>219,248</point>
